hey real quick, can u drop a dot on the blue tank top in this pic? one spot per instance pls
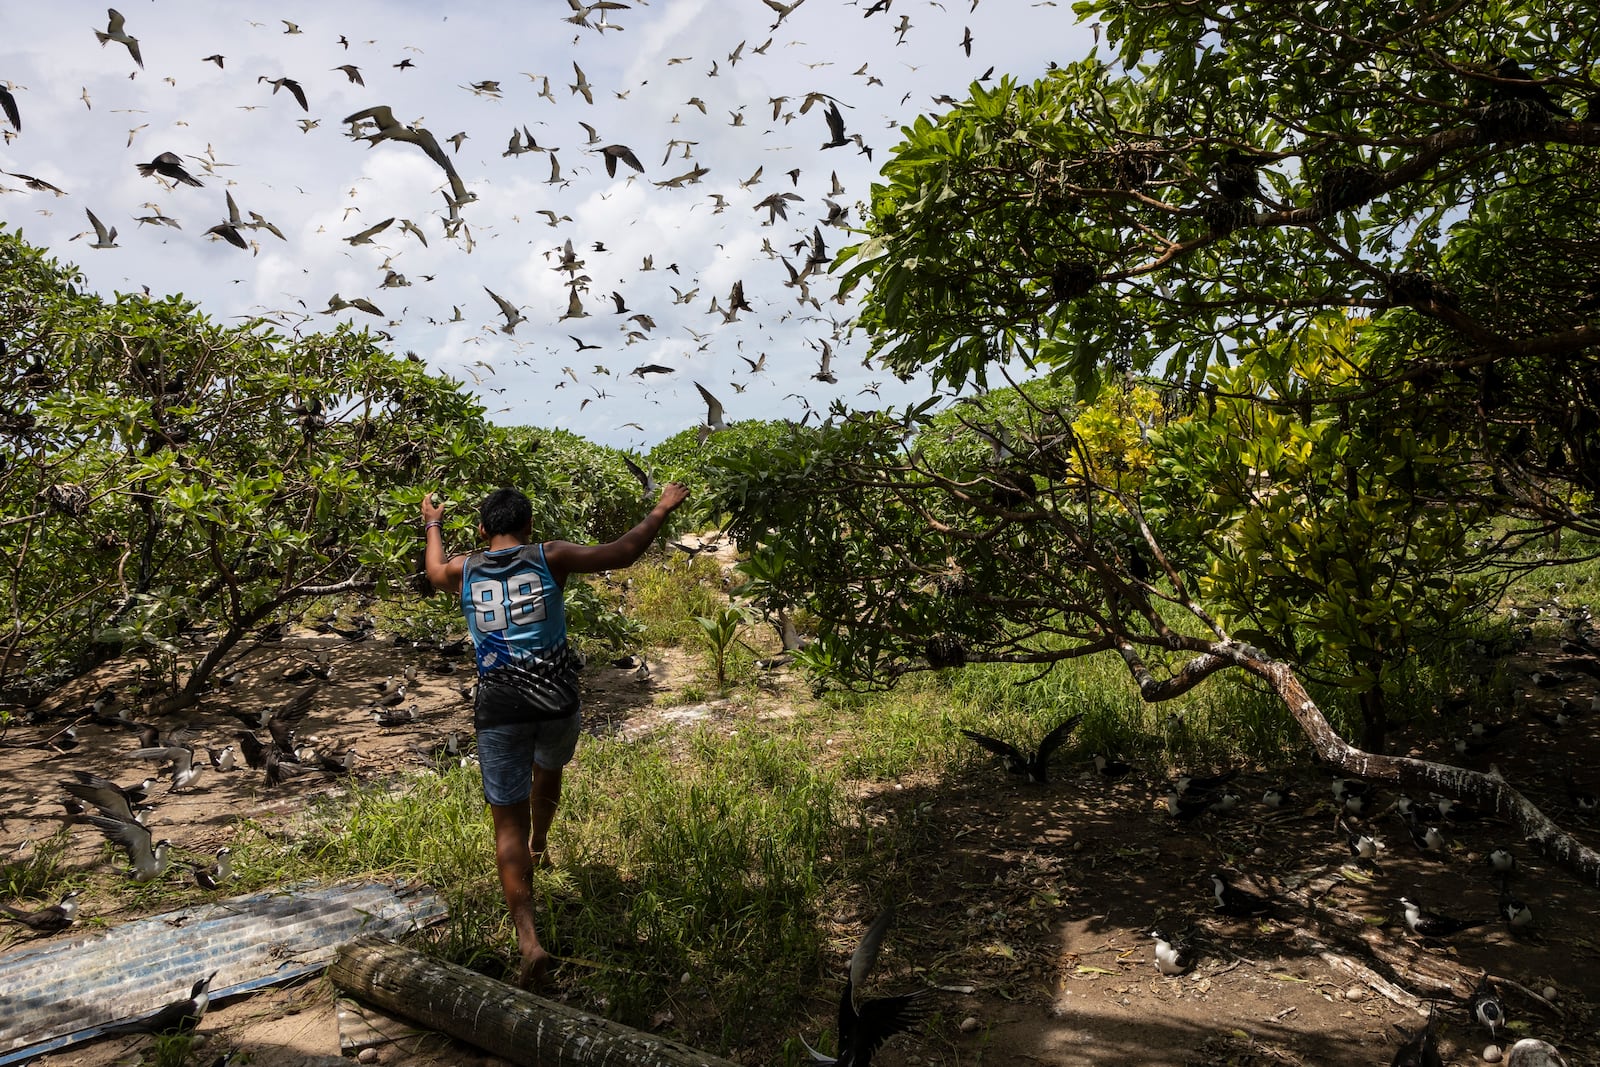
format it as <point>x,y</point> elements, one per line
<point>518,624</point>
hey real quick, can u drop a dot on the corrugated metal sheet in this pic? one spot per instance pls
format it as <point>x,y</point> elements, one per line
<point>69,991</point>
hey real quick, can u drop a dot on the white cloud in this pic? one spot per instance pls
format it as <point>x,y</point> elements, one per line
<point>304,181</point>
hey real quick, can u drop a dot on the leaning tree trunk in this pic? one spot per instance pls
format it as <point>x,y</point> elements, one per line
<point>1488,791</point>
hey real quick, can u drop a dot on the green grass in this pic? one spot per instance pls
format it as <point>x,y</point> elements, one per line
<point>666,595</point>
<point>706,855</point>
<point>41,874</point>
<point>917,726</point>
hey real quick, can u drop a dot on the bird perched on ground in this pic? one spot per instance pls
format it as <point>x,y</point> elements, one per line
<point>1240,903</point>
<point>1518,916</point>
<point>1110,768</point>
<point>211,875</point>
<point>185,771</point>
<point>1456,812</point>
<point>1433,923</point>
<point>114,801</point>
<point>147,860</point>
<point>1188,808</point>
<point>1193,795</point>
<point>1426,838</point>
<point>1036,766</point>
<point>864,1027</point>
<point>387,717</point>
<point>1276,796</point>
<point>1502,862</point>
<point>1195,784</point>
<point>1364,847</point>
<point>1421,1049</point>
<point>1348,787</point>
<point>1485,1007</point>
<point>280,768</point>
<point>1174,954</point>
<point>51,920</point>
<point>178,1017</point>
<point>1582,800</point>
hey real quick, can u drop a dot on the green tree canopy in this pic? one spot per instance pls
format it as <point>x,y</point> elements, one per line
<point>159,471</point>
<point>1275,165</point>
<point>1322,279</point>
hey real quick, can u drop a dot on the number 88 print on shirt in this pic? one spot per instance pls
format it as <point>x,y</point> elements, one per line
<point>518,623</point>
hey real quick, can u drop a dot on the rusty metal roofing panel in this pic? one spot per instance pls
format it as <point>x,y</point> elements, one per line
<point>70,991</point>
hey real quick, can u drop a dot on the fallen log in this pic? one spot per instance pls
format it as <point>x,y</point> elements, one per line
<point>500,1019</point>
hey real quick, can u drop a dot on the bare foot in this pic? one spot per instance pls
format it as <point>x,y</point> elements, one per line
<point>535,970</point>
<point>541,861</point>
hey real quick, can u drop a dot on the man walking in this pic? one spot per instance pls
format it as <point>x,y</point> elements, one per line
<point>526,712</point>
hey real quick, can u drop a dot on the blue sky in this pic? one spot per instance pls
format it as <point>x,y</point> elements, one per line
<point>651,75</point>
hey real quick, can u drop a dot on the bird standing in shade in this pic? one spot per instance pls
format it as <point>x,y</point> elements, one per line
<point>1432,923</point>
<point>1518,916</point>
<point>1486,1008</point>
<point>1036,766</point>
<point>1421,1049</point>
<point>1240,903</point>
<point>1108,767</point>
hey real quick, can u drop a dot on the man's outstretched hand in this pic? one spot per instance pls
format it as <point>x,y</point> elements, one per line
<point>672,494</point>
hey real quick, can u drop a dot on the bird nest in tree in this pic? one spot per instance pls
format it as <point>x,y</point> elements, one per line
<point>953,585</point>
<point>1072,278</point>
<point>1224,216</point>
<point>945,651</point>
<point>69,499</point>
<point>1132,164</point>
<point>1345,187</point>
<point>1505,119</point>
<point>1416,288</point>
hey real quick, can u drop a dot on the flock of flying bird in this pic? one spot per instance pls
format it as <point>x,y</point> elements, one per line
<point>597,287</point>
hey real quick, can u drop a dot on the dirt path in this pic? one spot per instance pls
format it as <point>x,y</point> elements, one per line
<point>1032,903</point>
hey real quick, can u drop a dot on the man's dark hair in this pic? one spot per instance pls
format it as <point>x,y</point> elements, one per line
<point>505,511</point>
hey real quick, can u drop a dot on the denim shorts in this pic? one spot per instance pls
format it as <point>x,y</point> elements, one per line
<point>508,754</point>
